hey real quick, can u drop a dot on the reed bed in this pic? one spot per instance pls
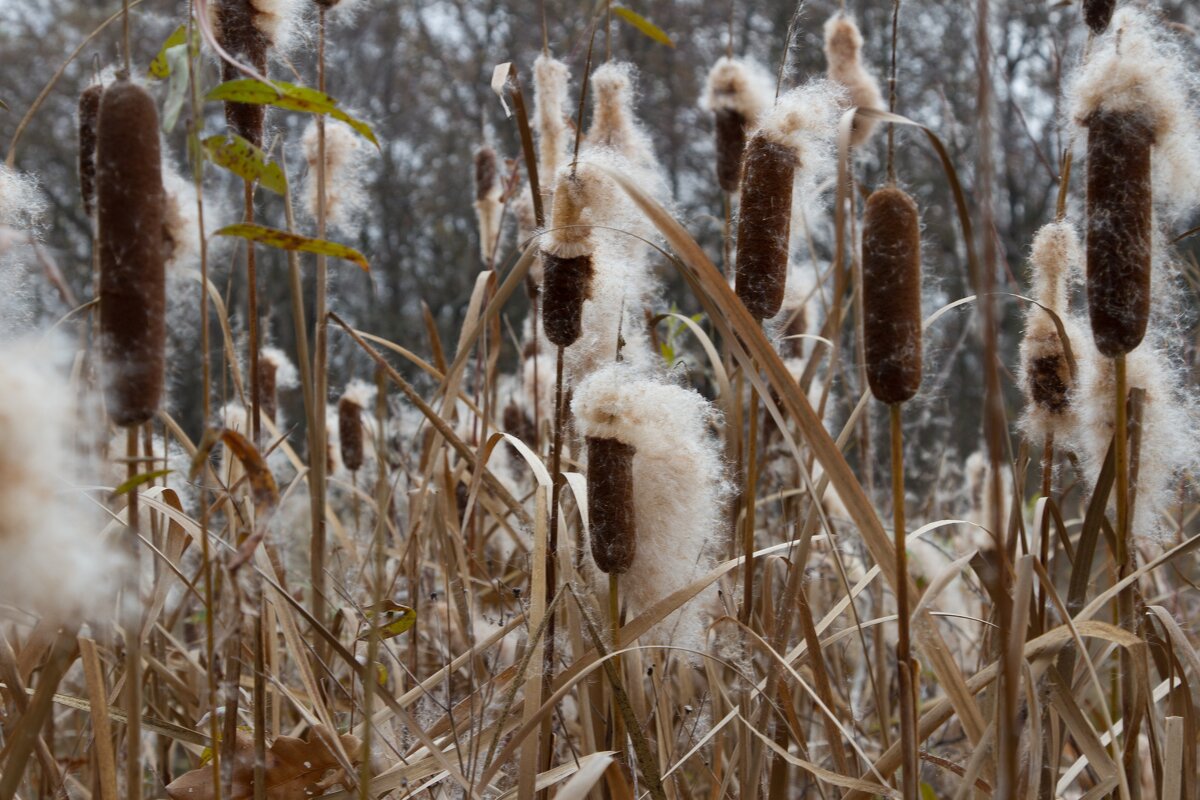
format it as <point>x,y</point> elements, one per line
<point>611,550</point>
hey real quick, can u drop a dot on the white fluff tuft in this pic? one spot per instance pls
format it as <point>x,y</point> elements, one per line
<point>805,119</point>
<point>345,196</point>
<point>843,52</point>
<point>286,376</point>
<point>361,393</point>
<point>22,203</point>
<point>279,21</point>
<point>181,219</point>
<point>1138,67</point>
<point>52,559</point>
<point>614,124</point>
<point>680,486</point>
<point>1170,430</point>
<point>550,80</point>
<point>740,85</point>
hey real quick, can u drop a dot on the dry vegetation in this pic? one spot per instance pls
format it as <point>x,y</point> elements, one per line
<point>616,551</point>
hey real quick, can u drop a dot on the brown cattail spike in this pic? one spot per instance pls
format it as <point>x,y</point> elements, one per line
<point>891,276</point>
<point>1049,382</point>
<point>518,423</point>
<point>731,143</point>
<point>1097,14</point>
<point>612,525</point>
<point>485,173</point>
<point>764,226</point>
<point>89,112</point>
<point>1119,229</point>
<point>244,40</point>
<point>130,203</point>
<point>268,387</point>
<point>350,433</point>
<point>566,284</point>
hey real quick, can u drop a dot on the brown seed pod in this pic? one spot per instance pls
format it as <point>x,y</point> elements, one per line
<point>350,433</point>
<point>89,112</point>
<point>1050,382</point>
<point>891,276</point>
<point>1097,14</point>
<point>130,200</point>
<point>566,284</point>
<point>1120,223</point>
<point>731,143</point>
<point>243,39</point>
<point>612,525</point>
<point>486,182</point>
<point>267,387</point>
<point>764,225</point>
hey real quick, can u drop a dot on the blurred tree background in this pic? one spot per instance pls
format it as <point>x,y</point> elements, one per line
<point>419,71</point>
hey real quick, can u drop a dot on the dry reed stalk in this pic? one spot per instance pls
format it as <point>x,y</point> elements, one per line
<point>764,225</point>
<point>613,528</point>
<point>891,277</point>
<point>132,278</point>
<point>1120,229</point>
<point>89,113</point>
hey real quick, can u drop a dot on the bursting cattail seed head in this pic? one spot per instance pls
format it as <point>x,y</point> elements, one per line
<point>737,92</point>
<point>130,201</point>
<point>613,526</point>
<point>1120,229</point>
<point>488,207</point>
<point>550,78</point>
<point>891,277</point>
<point>567,267</point>
<point>764,225</point>
<point>843,53</point>
<point>350,432</point>
<point>89,112</point>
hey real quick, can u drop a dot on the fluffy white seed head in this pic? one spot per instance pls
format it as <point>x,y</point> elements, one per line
<point>614,123</point>
<point>550,80</point>
<point>805,119</point>
<point>680,486</point>
<point>1169,444</point>
<point>345,196</point>
<point>181,219</point>
<point>1139,67</point>
<point>740,85</point>
<point>52,559</point>
<point>489,210</point>
<point>286,376</point>
<point>843,53</point>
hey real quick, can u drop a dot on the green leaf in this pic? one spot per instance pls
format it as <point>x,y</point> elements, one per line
<point>246,161</point>
<point>3,106</point>
<point>283,240</point>
<point>394,619</point>
<point>160,67</point>
<point>289,96</point>
<point>644,25</point>
<point>137,480</point>
<point>927,792</point>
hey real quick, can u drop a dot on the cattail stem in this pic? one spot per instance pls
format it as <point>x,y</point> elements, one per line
<point>1125,564</point>
<point>252,323</point>
<point>748,521</point>
<point>614,621</point>
<point>319,443</point>
<point>547,740</point>
<point>133,637</point>
<point>260,699</point>
<point>206,413</point>
<point>907,672</point>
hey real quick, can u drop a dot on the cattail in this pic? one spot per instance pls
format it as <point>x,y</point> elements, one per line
<point>245,40</point>
<point>737,92</point>
<point>345,196</point>
<point>89,112</point>
<point>653,442</point>
<point>488,208</point>
<point>891,277</point>
<point>764,226</point>
<point>843,52</point>
<point>1120,229</point>
<point>518,423</point>
<point>350,432</point>
<point>130,202</point>
<point>613,526</point>
<point>614,124</point>
<point>567,260</point>
<point>267,387</point>
<point>1097,14</point>
<point>550,78</point>
<point>793,144</point>
<point>1045,373</point>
